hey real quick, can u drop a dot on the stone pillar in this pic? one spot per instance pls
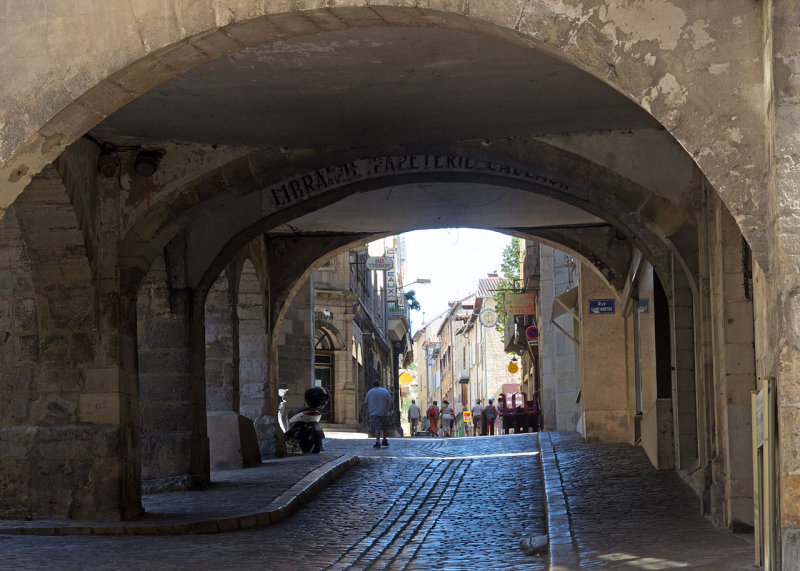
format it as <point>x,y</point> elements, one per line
<point>63,405</point>
<point>784,69</point>
<point>296,345</point>
<point>222,347</point>
<point>733,369</point>
<point>603,385</point>
<point>684,398</point>
<point>253,357</point>
<point>165,378</point>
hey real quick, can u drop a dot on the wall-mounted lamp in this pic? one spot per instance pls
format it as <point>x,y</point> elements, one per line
<point>108,164</point>
<point>146,162</point>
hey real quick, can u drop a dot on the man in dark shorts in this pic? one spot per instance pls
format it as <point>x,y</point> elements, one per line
<point>379,404</point>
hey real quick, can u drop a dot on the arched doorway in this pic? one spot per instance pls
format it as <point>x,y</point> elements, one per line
<point>325,369</point>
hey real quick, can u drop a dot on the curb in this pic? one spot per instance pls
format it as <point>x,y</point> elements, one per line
<point>278,510</point>
<point>563,552</point>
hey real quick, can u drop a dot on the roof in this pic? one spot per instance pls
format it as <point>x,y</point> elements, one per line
<point>487,287</point>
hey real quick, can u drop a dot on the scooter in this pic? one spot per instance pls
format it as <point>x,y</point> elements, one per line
<point>305,432</point>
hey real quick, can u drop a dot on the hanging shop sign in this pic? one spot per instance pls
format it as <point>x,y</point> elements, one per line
<point>513,368</point>
<point>488,317</point>
<point>391,281</point>
<point>382,263</point>
<point>519,303</point>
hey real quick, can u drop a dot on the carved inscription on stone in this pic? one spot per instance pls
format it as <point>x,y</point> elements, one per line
<point>304,186</point>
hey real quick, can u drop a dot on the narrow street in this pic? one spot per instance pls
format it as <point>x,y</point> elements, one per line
<point>461,503</point>
<point>420,503</point>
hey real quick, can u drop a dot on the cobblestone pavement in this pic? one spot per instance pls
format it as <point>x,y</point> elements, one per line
<point>431,503</point>
<point>626,515</point>
<point>420,503</point>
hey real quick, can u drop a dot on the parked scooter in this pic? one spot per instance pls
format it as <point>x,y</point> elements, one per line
<point>283,422</point>
<point>305,431</point>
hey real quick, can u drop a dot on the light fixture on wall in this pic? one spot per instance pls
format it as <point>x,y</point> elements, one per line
<point>146,163</point>
<point>108,164</point>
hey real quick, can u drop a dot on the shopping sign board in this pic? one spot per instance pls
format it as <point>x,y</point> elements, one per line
<point>519,303</point>
<point>467,416</point>
<point>382,263</point>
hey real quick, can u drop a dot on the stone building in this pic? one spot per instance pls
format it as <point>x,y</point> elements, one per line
<point>158,156</point>
<point>460,358</point>
<point>352,348</point>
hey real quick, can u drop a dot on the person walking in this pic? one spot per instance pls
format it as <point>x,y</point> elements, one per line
<point>490,412</point>
<point>447,419</point>
<point>477,412</point>
<point>433,418</point>
<point>379,404</point>
<point>414,415</point>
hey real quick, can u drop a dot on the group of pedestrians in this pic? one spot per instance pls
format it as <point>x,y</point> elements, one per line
<point>483,418</point>
<point>378,403</point>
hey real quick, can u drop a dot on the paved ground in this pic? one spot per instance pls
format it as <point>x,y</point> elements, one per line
<point>429,503</point>
<point>626,515</point>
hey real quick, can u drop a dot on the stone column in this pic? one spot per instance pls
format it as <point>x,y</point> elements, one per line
<point>734,375</point>
<point>684,393</point>
<point>784,69</point>
<point>165,376</point>
<point>66,416</point>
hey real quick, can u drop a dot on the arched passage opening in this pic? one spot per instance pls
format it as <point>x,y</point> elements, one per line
<point>444,134</point>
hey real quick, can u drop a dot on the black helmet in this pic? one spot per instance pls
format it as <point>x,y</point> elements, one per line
<point>317,396</point>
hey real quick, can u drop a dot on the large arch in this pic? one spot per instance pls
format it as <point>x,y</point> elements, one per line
<point>646,63</point>
<point>719,129</point>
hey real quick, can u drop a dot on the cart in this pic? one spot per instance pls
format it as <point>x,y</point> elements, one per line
<point>520,414</point>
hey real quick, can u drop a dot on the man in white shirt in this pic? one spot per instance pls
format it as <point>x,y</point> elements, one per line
<point>379,404</point>
<point>414,416</point>
<point>477,411</point>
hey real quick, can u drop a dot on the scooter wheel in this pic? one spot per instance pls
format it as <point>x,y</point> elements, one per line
<point>311,442</point>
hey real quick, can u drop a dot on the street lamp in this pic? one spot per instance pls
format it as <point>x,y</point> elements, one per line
<point>417,281</point>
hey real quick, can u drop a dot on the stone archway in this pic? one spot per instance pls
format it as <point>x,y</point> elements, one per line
<point>645,63</point>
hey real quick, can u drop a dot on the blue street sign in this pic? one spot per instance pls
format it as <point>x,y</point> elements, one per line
<point>644,305</point>
<point>597,306</point>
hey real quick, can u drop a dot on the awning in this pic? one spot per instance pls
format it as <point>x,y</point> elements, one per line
<point>567,302</point>
<point>565,307</point>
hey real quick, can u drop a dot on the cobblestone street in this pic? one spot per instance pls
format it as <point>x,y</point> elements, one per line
<point>444,503</point>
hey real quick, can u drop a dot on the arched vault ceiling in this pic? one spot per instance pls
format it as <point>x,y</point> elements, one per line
<point>433,205</point>
<point>373,86</point>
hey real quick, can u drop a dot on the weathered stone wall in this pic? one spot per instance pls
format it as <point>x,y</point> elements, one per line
<point>647,63</point>
<point>560,361</point>
<point>222,347</point>
<point>296,346</point>
<point>733,369</point>
<point>164,383</point>
<point>602,344</point>
<point>59,410</point>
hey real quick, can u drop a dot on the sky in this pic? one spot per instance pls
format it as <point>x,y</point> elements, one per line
<point>454,259</point>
